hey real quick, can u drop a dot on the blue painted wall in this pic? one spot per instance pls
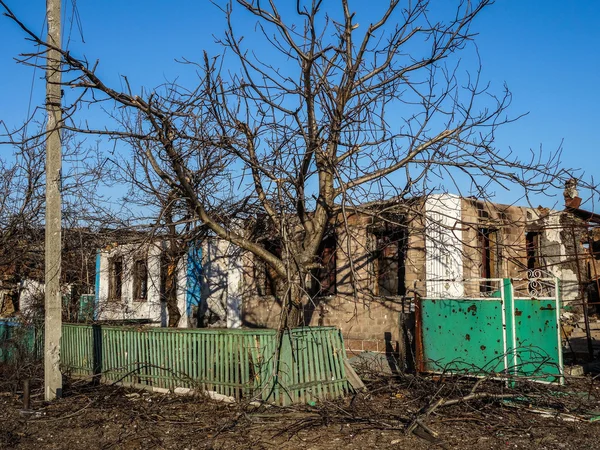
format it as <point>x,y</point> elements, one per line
<point>194,277</point>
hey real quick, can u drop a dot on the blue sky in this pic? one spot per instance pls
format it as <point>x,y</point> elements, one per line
<point>547,52</point>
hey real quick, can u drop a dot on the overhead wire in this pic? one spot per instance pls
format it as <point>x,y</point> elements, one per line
<point>74,20</point>
<point>31,88</point>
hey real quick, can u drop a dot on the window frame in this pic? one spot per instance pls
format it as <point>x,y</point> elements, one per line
<point>388,237</point>
<point>533,250</point>
<point>115,278</point>
<point>491,257</point>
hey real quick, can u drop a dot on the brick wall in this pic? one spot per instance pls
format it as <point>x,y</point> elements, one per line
<point>367,322</point>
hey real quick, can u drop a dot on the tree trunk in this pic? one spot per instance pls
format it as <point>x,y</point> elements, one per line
<point>294,314</point>
<point>173,257</point>
<point>296,300</point>
<point>171,293</point>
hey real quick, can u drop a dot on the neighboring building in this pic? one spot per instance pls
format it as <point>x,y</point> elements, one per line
<point>131,284</point>
<point>22,272</point>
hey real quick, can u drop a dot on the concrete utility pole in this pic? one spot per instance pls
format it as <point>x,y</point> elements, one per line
<point>53,323</point>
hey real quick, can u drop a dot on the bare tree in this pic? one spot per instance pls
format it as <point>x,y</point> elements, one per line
<point>330,113</point>
<point>22,212</point>
<point>160,211</point>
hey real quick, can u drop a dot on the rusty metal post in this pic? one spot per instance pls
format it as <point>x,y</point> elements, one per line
<point>593,258</point>
<point>586,318</point>
<point>26,395</point>
<point>420,362</point>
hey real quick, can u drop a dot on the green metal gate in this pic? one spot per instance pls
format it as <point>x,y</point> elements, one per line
<point>507,327</point>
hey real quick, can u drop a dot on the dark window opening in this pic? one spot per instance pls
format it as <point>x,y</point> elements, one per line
<point>389,261</point>
<point>140,281</point>
<point>595,248</point>
<point>325,276</point>
<point>490,260</point>
<point>532,244</point>
<point>16,301</point>
<point>115,279</point>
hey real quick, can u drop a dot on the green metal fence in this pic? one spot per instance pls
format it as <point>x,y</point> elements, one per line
<point>236,363</point>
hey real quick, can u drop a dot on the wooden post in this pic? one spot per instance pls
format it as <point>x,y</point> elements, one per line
<point>53,319</point>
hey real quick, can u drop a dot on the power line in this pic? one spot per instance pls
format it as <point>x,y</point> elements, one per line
<point>74,20</point>
<point>35,66</point>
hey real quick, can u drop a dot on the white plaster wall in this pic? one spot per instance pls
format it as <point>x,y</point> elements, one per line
<point>443,246</point>
<point>222,283</point>
<point>569,284</point>
<point>214,281</point>
<point>235,289</point>
<point>31,291</point>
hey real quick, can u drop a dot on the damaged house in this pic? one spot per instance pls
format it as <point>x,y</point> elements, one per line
<point>375,265</point>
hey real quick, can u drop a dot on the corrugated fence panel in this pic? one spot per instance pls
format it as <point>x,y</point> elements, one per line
<point>312,365</point>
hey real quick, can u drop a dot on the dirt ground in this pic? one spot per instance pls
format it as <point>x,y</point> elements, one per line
<point>111,417</point>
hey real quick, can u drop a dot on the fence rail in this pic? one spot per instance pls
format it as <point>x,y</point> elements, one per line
<point>236,363</point>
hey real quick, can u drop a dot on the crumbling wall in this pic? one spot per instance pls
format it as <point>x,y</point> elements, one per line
<point>564,235</point>
<point>558,249</point>
<point>371,322</point>
<point>368,322</point>
<point>509,224</point>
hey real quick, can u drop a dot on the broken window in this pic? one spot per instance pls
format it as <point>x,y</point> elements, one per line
<point>532,244</point>
<point>325,276</point>
<point>140,280</point>
<point>389,260</point>
<point>115,278</point>
<point>9,302</point>
<point>490,257</point>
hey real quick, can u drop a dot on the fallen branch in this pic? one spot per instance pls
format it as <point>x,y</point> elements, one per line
<point>418,421</point>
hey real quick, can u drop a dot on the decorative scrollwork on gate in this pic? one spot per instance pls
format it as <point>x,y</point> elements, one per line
<point>540,284</point>
<point>536,273</point>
